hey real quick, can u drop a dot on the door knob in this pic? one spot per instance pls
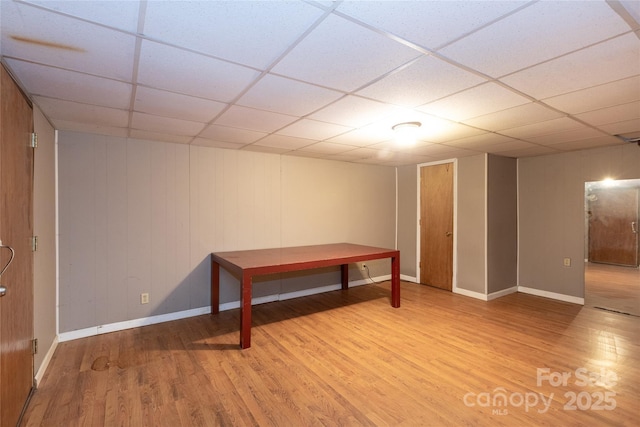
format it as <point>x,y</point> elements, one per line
<point>448,233</point>
<point>3,291</point>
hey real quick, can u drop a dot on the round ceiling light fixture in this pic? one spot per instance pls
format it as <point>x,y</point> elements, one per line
<point>406,133</point>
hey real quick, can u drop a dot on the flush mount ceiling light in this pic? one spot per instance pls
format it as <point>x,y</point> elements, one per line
<point>406,133</point>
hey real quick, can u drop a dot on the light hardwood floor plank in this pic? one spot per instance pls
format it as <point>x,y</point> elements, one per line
<point>346,358</point>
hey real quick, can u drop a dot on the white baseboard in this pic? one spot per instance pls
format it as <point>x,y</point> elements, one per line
<point>45,363</point>
<point>135,323</point>
<point>145,321</point>
<point>551,295</point>
<point>485,297</point>
<point>468,293</point>
<point>498,294</point>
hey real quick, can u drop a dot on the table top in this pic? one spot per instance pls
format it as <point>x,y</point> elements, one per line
<point>302,256</point>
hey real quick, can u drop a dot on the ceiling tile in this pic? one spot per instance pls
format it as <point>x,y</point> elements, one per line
<point>76,112</point>
<point>357,154</point>
<point>116,14</point>
<point>601,141</point>
<point>428,23</point>
<point>263,149</point>
<point>543,128</point>
<point>159,136</point>
<point>605,62</point>
<point>88,127</point>
<point>622,127</point>
<point>478,142</point>
<point>378,157</point>
<point>287,96</point>
<point>230,134</point>
<point>548,29</point>
<point>35,35</point>
<point>477,101</point>
<point>175,105</point>
<point>299,153</point>
<point>601,96</point>
<point>341,55</point>
<point>533,150</point>
<point>253,33</point>
<point>400,159</point>
<point>280,77</point>
<point>252,119</point>
<point>614,114</point>
<point>513,117</point>
<point>362,137</point>
<point>203,142</point>
<point>425,80</point>
<point>434,150</point>
<point>567,136</point>
<point>148,122</point>
<point>354,111</point>
<point>443,131</point>
<point>40,80</point>
<point>313,129</point>
<point>285,142</point>
<point>177,70</point>
<point>512,145</point>
<point>633,8</point>
<point>326,148</point>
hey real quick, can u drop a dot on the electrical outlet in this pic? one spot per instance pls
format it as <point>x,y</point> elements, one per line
<point>364,266</point>
<point>144,298</point>
<point>567,262</point>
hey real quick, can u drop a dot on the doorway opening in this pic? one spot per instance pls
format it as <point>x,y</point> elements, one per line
<point>612,245</point>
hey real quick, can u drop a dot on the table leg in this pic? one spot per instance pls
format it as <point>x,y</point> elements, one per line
<point>344,273</point>
<point>215,287</point>
<point>395,281</point>
<point>245,311</point>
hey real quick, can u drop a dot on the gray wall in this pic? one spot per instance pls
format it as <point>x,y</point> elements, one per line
<point>502,223</point>
<point>44,226</point>
<point>407,219</point>
<point>471,224</point>
<point>140,216</point>
<point>551,213</point>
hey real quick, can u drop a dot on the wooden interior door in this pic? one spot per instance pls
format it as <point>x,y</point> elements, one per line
<point>16,230</point>
<point>613,226</point>
<point>436,225</point>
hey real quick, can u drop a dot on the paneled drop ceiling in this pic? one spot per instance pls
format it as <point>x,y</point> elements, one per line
<point>329,79</point>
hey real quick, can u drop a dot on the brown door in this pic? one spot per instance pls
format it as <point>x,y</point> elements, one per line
<point>16,230</point>
<point>436,225</point>
<point>613,226</point>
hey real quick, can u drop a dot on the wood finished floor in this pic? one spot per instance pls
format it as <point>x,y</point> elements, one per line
<point>613,287</point>
<point>346,358</point>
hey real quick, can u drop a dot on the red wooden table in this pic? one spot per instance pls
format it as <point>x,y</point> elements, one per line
<point>246,264</point>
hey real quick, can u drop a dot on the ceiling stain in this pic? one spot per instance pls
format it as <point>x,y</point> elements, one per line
<point>47,44</point>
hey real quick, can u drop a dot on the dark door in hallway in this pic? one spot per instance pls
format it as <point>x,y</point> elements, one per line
<point>613,226</point>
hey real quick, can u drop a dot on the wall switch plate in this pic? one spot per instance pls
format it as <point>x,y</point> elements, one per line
<point>144,298</point>
<point>567,262</point>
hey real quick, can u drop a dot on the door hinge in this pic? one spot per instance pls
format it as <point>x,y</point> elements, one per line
<point>34,140</point>
<point>34,243</point>
<point>34,345</point>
